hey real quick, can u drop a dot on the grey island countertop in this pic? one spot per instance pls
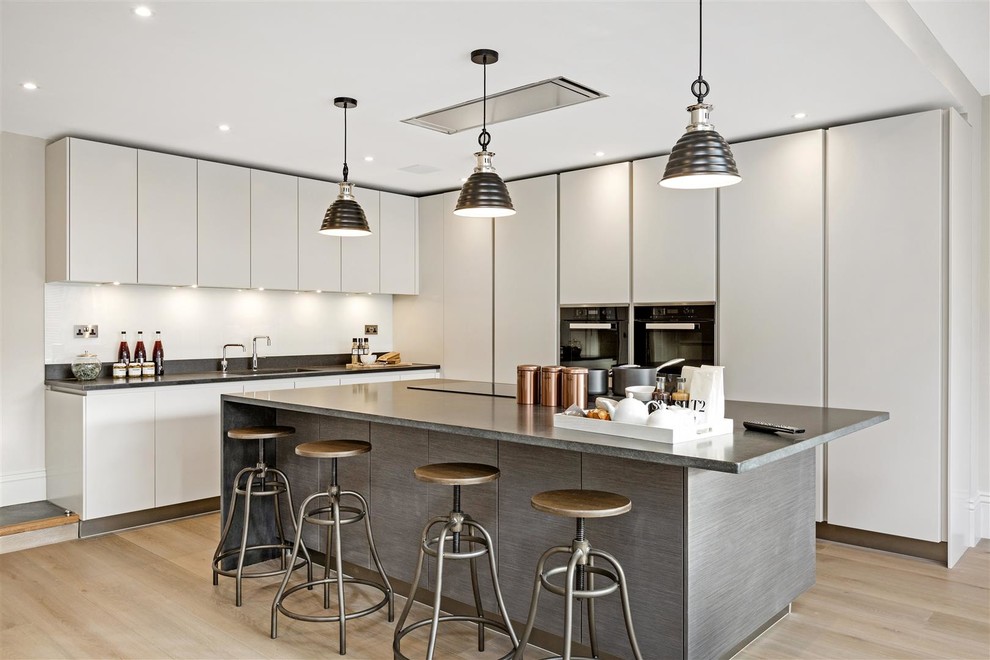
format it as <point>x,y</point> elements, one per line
<point>502,419</point>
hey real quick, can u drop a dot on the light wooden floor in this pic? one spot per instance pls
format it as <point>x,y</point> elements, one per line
<point>147,593</point>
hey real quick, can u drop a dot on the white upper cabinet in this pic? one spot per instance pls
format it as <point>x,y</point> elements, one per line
<point>594,235</point>
<point>526,278</point>
<point>885,323</point>
<point>91,209</point>
<point>398,244</point>
<point>771,272</point>
<point>274,231</point>
<point>319,254</point>
<point>224,247</point>
<point>467,295</point>
<point>418,320</point>
<point>359,256</point>
<point>673,239</point>
<point>166,213</point>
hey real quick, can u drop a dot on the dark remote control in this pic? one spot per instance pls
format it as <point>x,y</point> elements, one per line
<point>770,427</point>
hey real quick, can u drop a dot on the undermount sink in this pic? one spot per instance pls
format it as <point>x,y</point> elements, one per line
<point>268,371</point>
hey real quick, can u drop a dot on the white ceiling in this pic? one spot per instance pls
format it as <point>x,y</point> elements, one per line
<point>270,70</point>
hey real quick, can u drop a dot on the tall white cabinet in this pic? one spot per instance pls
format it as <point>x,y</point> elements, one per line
<point>399,235</point>
<point>467,295</point>
<point>673,239</point>
<point>166,219</point>
<point>319,254</point>
<point>594,235</point>
<point>419,320</point>
<point>771,272</point>
<point>886,313</point>
<point>274,226</point>
<point>526,279</point>
<point>359,255</point>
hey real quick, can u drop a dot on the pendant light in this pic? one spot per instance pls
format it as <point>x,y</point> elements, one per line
<point>701,158</point>
<point>484,194</point>
<point>345,217</point>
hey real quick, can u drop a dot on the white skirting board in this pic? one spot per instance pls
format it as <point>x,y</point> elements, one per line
<point>22,487</point>
<point>983,515</point>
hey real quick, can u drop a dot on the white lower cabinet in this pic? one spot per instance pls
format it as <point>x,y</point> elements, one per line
<point>187,442</point>
<point>119,453</point>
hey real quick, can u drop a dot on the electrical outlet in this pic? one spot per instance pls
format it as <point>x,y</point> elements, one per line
<point>85,331</point>
<point>371,329</point>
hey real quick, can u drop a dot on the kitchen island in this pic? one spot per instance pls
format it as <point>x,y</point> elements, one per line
<point>719,542</point>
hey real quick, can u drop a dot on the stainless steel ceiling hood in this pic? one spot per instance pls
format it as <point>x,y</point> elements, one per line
<point>511,104</point>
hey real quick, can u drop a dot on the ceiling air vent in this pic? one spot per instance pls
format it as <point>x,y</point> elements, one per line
<point>512,104</point>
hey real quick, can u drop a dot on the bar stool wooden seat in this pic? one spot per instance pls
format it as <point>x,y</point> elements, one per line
<point>580,570</point>
<point>258,481</point>
<point>453,533</point>
<point>339,515</point>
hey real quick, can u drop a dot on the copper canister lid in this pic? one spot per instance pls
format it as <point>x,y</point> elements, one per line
<point>528,367</point>
<point>552,369</point>
<point>575,370</point>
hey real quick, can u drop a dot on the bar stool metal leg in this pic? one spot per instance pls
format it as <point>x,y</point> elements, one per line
<point>227,523</point>
<point>374,551</point>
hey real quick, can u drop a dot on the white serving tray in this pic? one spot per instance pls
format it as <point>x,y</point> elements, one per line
<point>642,432</point>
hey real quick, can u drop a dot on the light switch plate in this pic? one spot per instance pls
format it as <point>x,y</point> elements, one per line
<point>371,329</point>
<point>85,331</point>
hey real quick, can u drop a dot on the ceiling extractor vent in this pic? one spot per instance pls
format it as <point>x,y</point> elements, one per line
<point>512,104</point>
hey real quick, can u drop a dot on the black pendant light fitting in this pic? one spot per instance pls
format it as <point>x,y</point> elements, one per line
<point>345,217</point>
<point>484,194</point>
<point>701,158</point>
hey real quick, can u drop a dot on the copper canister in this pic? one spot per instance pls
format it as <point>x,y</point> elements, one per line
<point>575,386</point>
<point>551,381</point>
<point>528,384</point>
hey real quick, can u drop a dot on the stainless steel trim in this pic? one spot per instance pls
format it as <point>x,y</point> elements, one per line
<point>591,326</point>
<point>672,326</point>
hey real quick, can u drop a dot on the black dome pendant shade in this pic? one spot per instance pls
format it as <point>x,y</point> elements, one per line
<point>345,217</point>
<point>484,194</point>
<point>701,158</point>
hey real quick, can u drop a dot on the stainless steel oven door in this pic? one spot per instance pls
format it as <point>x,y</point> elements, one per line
<point>657,342</point>
<point>592,344</point>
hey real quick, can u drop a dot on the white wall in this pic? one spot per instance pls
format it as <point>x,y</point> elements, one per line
<point>982,339</point>
<point>196,323</point>
<point>22,349</point>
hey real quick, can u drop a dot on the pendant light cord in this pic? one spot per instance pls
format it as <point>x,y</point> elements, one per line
<point>700,86</point>
<point>485,138</point>
<point>345,143</point>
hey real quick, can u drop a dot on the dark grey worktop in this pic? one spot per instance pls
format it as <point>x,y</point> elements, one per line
<point>198,378</point>
<point>503,419</point>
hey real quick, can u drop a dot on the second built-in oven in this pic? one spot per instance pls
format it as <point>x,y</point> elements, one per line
<point>594,337</point>
<point>666,332</point>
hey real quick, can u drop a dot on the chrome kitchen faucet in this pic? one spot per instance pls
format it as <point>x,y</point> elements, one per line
<point>223,355</point>
<point>254,350</point>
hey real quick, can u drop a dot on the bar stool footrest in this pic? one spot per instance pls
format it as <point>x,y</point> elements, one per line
<point>233,552</point>
<point>448,618</point>
<point>332,581</point>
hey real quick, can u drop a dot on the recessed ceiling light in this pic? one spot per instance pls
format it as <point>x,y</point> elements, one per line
<point>143,12</point>
<point>800,115</point>
<point>463,179</point>
<point>599,154</point>
<point>224,128</point>
<point>193,286</point>
<point>319,290</point>
<point>368,159</point>
<point>116,283</point>
<point>261,288</point>
<point>30,86</point>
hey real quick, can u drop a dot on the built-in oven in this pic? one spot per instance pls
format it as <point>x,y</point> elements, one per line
<point>666,332</point>
<point>594,337</point>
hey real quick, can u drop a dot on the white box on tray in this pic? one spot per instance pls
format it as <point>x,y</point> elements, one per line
<point>681,434</point>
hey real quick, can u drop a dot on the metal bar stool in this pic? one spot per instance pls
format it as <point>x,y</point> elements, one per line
<point>333,449</point>
<point>580,569</point>
<point>257,484</point>
<point>454,525</point>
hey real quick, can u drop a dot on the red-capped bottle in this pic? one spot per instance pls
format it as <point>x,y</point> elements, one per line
<point>140,353</point>
<point>158,354</point>
<point>123,351</point>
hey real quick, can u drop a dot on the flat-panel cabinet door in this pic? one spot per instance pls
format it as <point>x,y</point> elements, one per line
<point>594,235</point>
<point>166,213</point>
<point>187,442</point>
<point>224,202</point>
<point>120,453</point>
<point>274,231</point>
<point>673,239</point>
<point>398,244</point>
<point>359,256</point>
<point>525,278</point>
<point>467,295</point>
<point>772,271</point>
<point>319,254</point>
<point>102,212</point>
<point>885,319</point>
<point>418,320</point>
